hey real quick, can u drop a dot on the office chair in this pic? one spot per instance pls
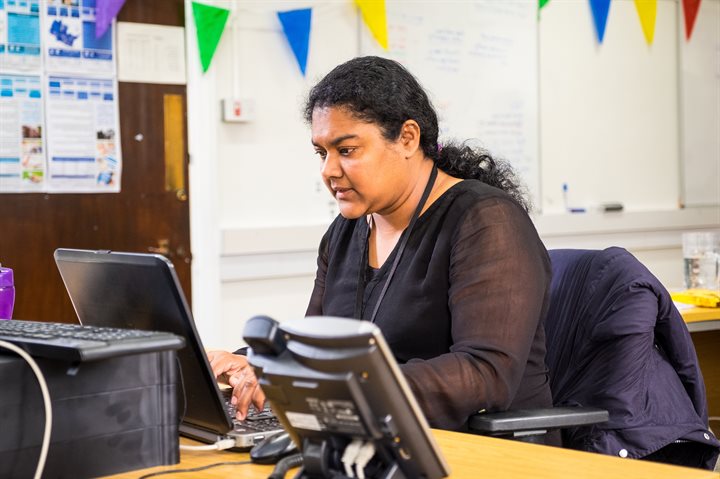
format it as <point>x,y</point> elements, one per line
<point>616,344</point>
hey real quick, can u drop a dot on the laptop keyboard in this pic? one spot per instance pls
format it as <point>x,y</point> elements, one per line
<point>255,421</point>
<point>75,342</point>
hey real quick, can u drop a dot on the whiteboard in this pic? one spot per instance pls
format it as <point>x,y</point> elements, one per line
<point>700,107</point>
<point>609,112</point>
<point>619,122</point>
<point>478,62</point>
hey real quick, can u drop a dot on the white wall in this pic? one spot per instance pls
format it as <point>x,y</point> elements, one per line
<point>248,263</point>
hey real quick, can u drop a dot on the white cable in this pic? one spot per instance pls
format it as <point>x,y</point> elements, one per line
<point>218,446</point>
<point>366,453</point>
<point>348,457</point>
<point>46,402</point>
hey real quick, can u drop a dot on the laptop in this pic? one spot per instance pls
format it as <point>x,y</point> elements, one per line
<point>142,291</point>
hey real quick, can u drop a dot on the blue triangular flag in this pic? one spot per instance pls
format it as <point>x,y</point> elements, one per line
<point>296,25</point>
<point>600,9</point>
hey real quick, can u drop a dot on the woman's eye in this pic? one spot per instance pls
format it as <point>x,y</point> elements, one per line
<point>322,154</point>
<point>345,151</point>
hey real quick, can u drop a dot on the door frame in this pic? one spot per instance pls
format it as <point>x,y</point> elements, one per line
<point>205,231</point>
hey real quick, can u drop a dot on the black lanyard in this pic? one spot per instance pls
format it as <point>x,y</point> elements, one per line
<point>403,241</point>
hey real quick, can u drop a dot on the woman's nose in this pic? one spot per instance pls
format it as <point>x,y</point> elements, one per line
<point>331,167</point>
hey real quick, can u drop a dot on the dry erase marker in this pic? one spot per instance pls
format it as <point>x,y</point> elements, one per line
<point>568,208</point>
<point>612,207</point>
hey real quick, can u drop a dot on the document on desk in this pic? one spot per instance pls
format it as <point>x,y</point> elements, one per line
<point>681,306</point>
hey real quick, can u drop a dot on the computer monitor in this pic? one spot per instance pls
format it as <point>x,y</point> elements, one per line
<point>337,389</point>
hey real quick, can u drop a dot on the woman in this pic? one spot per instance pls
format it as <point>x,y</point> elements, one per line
<point>433,244</point>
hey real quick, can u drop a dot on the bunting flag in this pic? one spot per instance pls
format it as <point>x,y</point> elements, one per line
<point>105,13</point>
<point>600,9</point>
<point>373,12</point>
<point>647,10</point>
<point>690,9</point>
<point>209,23</point>
<point>542,3</point>
<point>296,25</point>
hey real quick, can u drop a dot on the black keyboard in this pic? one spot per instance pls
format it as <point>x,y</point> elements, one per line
<point>259,421</point>
<point>75,342</point>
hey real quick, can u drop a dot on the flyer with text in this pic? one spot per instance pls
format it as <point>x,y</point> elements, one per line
<point>68,30</point>
<point>20,36</point>
<point>82,130</point>
<point>22,162</point>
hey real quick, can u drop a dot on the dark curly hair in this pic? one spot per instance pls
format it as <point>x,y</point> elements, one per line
<point>383,92</point>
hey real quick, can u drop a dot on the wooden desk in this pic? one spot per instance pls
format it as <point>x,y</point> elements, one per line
<point>701,319</point>
<point>473,456</point>
<point>469,456</point>
<point>704,327</point>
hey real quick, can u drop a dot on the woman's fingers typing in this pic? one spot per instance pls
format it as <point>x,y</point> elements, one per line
<point>235,370</point>
<point>245,392</point>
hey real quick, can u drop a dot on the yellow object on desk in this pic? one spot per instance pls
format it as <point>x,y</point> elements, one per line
<point>698,297</point>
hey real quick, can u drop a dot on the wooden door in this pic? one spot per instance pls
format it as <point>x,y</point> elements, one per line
<point>143,217</point>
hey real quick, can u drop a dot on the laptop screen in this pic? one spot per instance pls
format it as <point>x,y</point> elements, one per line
<point>141,291</point>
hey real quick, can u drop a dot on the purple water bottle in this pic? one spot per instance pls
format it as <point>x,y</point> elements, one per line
<point>7,293</point>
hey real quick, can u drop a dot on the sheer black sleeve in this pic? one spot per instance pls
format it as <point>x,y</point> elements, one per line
<point>315,306</point>
<point>499,277</point>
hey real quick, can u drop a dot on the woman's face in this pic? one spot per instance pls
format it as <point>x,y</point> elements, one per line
<point>364,172</point>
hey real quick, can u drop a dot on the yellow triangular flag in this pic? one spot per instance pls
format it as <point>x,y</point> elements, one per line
<point>373,12</point>
<point>647,10</point>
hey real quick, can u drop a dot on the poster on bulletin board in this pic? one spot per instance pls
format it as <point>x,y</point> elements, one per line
<point>82,141</point>
<point>20,36</point>
<point>59,129</point>
<point>22,161</point>
<point>69,39</point>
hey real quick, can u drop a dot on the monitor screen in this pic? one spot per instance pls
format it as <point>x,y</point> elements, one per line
<point>337,389</point>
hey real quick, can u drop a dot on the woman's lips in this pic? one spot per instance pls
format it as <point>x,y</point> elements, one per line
<point>342,193</point>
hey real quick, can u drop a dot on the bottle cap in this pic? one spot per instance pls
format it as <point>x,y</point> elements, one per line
<point>6,277</point>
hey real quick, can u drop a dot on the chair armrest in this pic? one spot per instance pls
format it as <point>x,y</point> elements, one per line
<point>535,419</point>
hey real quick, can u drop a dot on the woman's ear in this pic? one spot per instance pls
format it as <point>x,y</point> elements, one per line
<point>409,139</point>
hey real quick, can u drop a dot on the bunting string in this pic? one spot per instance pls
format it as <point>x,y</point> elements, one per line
<point>296,25</point>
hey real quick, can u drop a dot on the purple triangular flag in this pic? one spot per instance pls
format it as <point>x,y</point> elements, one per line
<point>105,13</point>
<point>600,9</point>
<point>296,25</point>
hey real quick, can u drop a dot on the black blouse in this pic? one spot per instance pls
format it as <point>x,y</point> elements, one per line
<point>464,311</point>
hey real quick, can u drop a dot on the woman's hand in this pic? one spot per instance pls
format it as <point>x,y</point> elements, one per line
<point>233,369</point>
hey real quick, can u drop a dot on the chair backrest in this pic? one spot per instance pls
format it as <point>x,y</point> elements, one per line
<point>616,341</point>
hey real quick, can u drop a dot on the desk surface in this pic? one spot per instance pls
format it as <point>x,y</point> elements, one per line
<point>701,319</point>
<point>469,456</point>
<point>472,456</point>
<point>700,314</point>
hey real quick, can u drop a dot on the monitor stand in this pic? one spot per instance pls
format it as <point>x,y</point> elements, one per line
<point>321,460</point>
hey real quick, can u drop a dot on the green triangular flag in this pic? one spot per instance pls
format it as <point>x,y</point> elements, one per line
<point>542,3</point>
<point>209,23</point>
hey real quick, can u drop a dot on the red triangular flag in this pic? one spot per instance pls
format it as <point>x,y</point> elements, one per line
<point>690,9</point>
